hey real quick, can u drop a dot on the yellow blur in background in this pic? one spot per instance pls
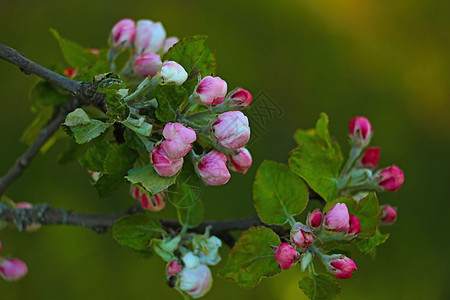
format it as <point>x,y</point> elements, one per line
<point>386,60</point>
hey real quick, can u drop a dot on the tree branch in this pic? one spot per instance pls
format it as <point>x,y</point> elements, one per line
<point>82,94</point>
<point>45,215</point>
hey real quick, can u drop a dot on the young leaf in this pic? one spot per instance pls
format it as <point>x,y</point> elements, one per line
<point>319,287</point>
<point>278,193</point>
<point>318,166</point>
<point>75,55</point>
<point>149,179</point>
<point>191,216</point>
<point>94,158</point>
<point>193,54</point>
<point>32,131</point>
<point>107,184</point>
<point>169,98</point>
<point>119,160</point>
<point>368,244</point>
<point>73,152</point>
<point>85,133</point>
<point>45,93</point>
<point>367,210</point>
<point>319,135</point>
<point>251,258</point>
<point>77,117</point>
<point>136,231</point>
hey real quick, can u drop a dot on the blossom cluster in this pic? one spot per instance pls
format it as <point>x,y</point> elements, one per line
<point>358,177</point>
<point>211,122</point>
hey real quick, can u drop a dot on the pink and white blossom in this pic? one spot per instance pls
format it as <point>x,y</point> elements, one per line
<point>150,36</point>
<point>231,129</point>
<point>360,131</point>
<point>301,235</point>
<point>172,72</point>
<point>147,64</point>
<point>240,162</point>
<point>285,256</point>
<point>169,42</point>
<point>240,97</point>
<point>343,267</point>
<point>164,165</point>
<point>123,34</point>
<point>196,282</point>
<point>12,269</point>
<point>212,168</point>
<point>211,90</point>
<point>337,218</point>
<point>391,179</point>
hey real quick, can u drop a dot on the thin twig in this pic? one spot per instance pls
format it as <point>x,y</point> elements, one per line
<point>83,94</point>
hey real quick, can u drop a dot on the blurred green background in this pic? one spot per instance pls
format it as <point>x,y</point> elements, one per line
<point>386,60</point>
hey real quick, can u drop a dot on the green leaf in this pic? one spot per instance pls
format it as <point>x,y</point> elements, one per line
<point>46,94</point>
<point>119,160</point>
<point>73,152</point>
<point>94,158</point>
<point>75,55</point>
<point>149,179</point>
<point>278,194</point>
<point>32,131</point>
<point>136,231</point>
<point>367,245</point>
<point>191,216</point>
<point>251,258</point>
<point>193,54</point>
<point>367,210</point>
<point>107,184</point>
<point>319,135</point>
<point>115,106</point>
<point>319,287</point>
<point>85,133</point>
<point>169,98</point>
<point>318,166</point>
<point>77,117</point>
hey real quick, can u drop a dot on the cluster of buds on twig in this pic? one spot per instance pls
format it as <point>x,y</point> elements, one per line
<point>12,269</point>
<point>209,126</point>
<point>305,240</point>
<point>188,257</point>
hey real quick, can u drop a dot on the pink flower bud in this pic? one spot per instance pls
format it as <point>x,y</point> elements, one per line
<point>314,218</point>
<point>150,36</point>
<point>178,139</point>
<point>70,72</point>
<point>153,203</point>
<point>231,129</point>
<point>173,268</point>
<point>164,165</point>
<point>301,235</point>
<point>355,226</point>
<point>169,42</point>
<point>147,64</point>
<point>12,269</point>
<point>337,218</point>
<point>196,282</point>
<point>172,73</point>
<point>370,157</point>
<point>388,215</point>
<point>240,97</point>
<point>240,162</point>
<point>360,131</point>
<point>285,256</point>
<point>211,90</point>
<point>95,51</point>
<point>392,178</point>
<point>343,267</point>
<point>212,168</point>
<point>177,132</point>
<point>123,33</point>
